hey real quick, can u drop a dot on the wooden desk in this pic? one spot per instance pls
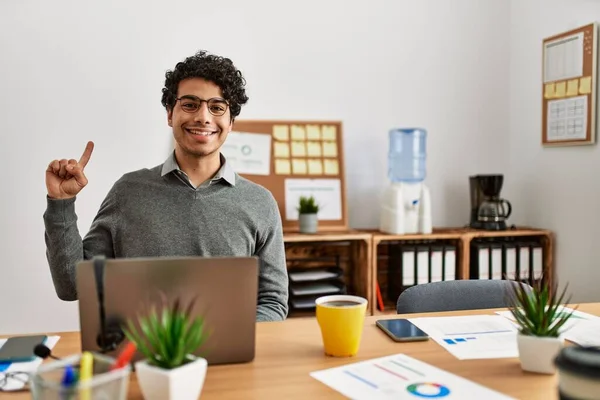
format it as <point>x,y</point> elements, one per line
<point>288,351</point>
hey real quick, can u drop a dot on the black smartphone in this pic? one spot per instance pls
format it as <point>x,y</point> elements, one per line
<point>401,330</point>
<point>20,348</point>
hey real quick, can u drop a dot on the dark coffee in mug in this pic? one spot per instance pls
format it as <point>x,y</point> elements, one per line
<point>340,303</point>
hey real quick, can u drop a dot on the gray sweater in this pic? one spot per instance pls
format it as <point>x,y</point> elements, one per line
<point>157,212</point>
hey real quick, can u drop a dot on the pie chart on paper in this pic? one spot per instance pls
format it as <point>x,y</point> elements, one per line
<point>428,390</point>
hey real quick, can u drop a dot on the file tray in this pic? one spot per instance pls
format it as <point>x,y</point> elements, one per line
<point>104,384</point>
<point>304,303</point>
<point>313,274</point>
<point>317,288</point>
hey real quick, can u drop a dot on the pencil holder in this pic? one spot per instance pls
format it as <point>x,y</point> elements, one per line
<point>47,381</point>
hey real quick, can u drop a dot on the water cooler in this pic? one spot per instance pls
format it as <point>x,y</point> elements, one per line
<point>406,203</point>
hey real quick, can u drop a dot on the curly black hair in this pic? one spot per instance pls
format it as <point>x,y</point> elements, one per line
<point>216,69</point>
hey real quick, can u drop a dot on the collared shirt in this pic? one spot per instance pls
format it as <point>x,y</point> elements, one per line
<point>225,173</point>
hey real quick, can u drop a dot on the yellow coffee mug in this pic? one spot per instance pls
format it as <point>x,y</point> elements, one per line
<point>341,319</point>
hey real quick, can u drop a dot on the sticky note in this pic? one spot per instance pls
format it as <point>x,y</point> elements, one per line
<point>298,132</point>
<point>281,132</point>
<point>282,149</point>
<point>560,89</point>
<point>330,167</point>
<point>282,167</point>
<point>313,132</point>
<point>299,167</point>
<point>549,91</point>
<point>585,85</point>
<point>328,132</point>
<point>315,167</point>
<point>298,149</point>
<point>329,149</point>
<point>313,149</point>
<point>572,87</point>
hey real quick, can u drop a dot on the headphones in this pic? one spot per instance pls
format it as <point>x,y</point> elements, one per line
<point>111,334</point>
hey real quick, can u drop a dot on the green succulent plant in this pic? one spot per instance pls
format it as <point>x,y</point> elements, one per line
<point>308,205</point>
<point>538,312</point>
<point>167,335</point>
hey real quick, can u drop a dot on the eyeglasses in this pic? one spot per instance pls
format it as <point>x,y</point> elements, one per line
<point>9,380</point>
<point>191,104</point>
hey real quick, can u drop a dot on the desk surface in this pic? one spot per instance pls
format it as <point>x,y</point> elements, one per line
<point>286,352</point>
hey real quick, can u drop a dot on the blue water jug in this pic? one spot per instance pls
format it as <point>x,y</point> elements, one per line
<point>407,155</point>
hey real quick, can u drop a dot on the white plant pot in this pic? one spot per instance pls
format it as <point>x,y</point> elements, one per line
<point>537,353</point>
<point>183,383</point>
<point>308,223</point>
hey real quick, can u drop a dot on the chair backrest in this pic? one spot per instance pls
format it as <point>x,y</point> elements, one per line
<point>455,295</point>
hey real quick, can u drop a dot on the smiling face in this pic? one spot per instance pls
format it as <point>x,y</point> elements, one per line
<point>199,133</point>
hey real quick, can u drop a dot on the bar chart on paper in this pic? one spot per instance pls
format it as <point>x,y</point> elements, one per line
<point>473,336</point>
<point>400,377</point>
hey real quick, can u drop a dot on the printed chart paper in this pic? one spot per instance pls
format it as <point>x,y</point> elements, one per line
<point>401,377</point>
<point>582,328</point>
<point>472,337</point>
<point>248,153</point>
<point>327,194</point>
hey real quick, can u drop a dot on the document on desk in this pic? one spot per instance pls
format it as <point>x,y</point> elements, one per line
<point>17,381</point>
<point>401,377</point>
<point>472,337</point>
<point>582,328</point>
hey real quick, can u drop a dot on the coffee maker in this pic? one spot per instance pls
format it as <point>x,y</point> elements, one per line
<point>488,210</point>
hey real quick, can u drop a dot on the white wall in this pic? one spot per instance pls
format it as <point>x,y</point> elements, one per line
<point>72,71</point>
<point>555,188</point>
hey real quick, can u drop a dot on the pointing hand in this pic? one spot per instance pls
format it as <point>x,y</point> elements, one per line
<point>65,178</point>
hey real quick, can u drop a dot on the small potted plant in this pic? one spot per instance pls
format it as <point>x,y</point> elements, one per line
<point>539,315</point>
<point>308,210</point>
<point>167,338</point>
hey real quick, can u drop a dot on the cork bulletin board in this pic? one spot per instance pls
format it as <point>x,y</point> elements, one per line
<point>291,159</point>
<point>569,87</point>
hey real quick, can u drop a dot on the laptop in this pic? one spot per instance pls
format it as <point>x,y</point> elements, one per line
<point>225,289</point>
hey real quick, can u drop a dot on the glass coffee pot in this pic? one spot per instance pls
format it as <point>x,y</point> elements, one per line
<point>494,210</point>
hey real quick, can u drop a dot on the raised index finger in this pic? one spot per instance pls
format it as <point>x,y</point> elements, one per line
<point>87,153</point>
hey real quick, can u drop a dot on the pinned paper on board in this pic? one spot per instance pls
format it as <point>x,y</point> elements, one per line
<point>282,167</point>
<point>330,167</point>
<point>573,87</point>
<point>329,149</point>
<point>315,167</point>
<point>560,89</point>
<point>313,132</point>
<point>298,149</point>
<point>313,149</point>
<point>327,193</point>
<point>549,90</point>
<point>282,150</point>
<point>281,132</point>
<point>328,132</point>
<point>248,152</point>
<point>298,132</point>
<point>299,167</point>
<point>585,85</point>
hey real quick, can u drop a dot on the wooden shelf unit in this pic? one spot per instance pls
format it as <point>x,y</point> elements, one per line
<point>353,249</point>
<point>362,253</point>
<point>462,237</point>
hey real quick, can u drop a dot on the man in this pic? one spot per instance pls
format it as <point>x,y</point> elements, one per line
<point>191,205</point>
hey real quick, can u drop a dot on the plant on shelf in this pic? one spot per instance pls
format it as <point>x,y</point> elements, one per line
<point>538,312</point>
<point>168,336</point>
<point>308,210</point>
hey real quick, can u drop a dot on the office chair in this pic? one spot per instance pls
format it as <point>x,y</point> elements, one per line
<point>455,295</point>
